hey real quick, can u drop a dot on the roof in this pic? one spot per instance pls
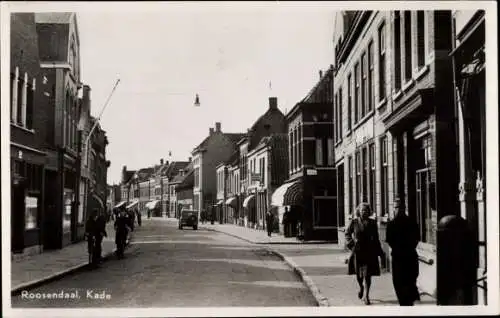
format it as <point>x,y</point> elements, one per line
<point>188,181</point>
<point>128,175</point>
<point>53,17</point>
<point>233,137</point>
<point>173,168</point>
<point>178,177</point>
<point>144,173</point>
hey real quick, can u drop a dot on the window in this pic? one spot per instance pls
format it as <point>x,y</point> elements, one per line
<point>384,176</point>
<point>350,185</point>
<point>365,175</point>
<point>295,150</point>
<point>31,213</point>
<point>68,202</point>
<point>20,101</point>
<point>358,177</point>
<point>364,86</point>
<point>421,37</point>
<point>330,151</point>
<point>371,154</point>
<point>319,152</point>
<point>13,96</point>
<point>300,146</point>
<point>397,50</point>
<point>371,99</point>
<point>336,115</point>
<point>381,62</point>
<point>349,102</point>
<point>407,44</point>
<point>340,114</point>
<point>290,150</point>
<point>426,219</point>
<point>356,93</point>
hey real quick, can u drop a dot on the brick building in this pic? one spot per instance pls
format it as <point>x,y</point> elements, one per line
<point>271,122</point>
<point>310,190</point>
<point>392,87</point>
<point>60,65</point>
<point>232,188</point>
<point>214,149</point>
<point>28,132</point>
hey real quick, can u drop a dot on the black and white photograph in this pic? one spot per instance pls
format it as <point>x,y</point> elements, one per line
<point>273,158</point>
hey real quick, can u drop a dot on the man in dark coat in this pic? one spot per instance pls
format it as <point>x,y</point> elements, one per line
<point>402,237</point>
<point>269,223</point>
<point>139,217</point>
<point>95,228</point>
<point>363,240</point>
<point>122,227</point>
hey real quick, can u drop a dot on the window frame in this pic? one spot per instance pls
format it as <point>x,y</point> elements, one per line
<point>382,65</point>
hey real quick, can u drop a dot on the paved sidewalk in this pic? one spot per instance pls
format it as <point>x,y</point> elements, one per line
<point>257,236</point>
<point>322,268</point>
<point>40,268</point>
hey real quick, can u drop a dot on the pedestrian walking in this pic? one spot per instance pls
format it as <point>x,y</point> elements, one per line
<point>95,230</point>
<point>139,217</point>
<point>402,237</point>
<point>363,240</point>
<point>149,214</point>
<point>286,223</point>
<point>121,227</point>
<point>269,223</point>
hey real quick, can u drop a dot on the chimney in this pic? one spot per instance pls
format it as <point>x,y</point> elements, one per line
<point>320,74</point>
<point>210,131</point>
<point>161,162</point>
<point>166,163</point>
<point>189,159</point>
<point>273,102</point>
<point>86,100</point>
<point>217,127</point>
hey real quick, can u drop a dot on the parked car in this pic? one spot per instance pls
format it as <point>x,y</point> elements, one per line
<point>188,218</point>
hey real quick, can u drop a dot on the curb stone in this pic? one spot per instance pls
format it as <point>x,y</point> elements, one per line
<point>74,269</point>
<point>321,300</point>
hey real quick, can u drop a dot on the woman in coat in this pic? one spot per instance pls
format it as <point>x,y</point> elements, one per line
<point>363,241</point>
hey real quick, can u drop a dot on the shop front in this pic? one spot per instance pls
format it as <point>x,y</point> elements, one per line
<point>232,209</point>
<point>154,207</point>
<point>27,195</point>
<point>250,211</point>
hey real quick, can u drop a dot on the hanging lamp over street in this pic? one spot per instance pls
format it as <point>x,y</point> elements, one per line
<point>197,101</point>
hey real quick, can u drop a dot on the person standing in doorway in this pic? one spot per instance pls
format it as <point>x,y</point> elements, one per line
<point>363,240</point>
<point>402,237</point>
<point>269,222</point>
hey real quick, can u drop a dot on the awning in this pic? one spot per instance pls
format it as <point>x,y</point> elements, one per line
<point>219,202</point>
<point>288,194</point>
<point>152,204</point>
<point>98,199</point>
<point>120,204</point>
<point>249,201</point>
<point>231,202</point>
<point>132,204</point>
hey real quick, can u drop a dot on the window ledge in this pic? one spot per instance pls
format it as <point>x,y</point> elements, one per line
<point>397,95</point>
<point>32,131</point>
<point>408,85</point>
<point>382,103</point>
<point>348,133</point>
<point>363,120</point>
<point>421,72</point>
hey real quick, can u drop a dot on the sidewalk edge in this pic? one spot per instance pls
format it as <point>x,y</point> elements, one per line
<point>321,300</point>
<point>38,282</point>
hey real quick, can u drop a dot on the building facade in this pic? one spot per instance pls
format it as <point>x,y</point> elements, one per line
<point>268,165</point>
<point>310,191</point>
<point>392,86</point>
<point>232,187</point>
<point>59,53</point>
<point>221,208</point>
<point>28,125</point>
<point>216,148</point>
<point>468,57</point>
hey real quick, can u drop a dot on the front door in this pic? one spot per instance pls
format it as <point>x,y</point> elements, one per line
<point>17,216</point>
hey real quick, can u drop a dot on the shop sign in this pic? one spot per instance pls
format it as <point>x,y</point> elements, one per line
<point>311,172</point>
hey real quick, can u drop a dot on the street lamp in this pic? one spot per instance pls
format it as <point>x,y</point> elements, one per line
<point>197,101</point>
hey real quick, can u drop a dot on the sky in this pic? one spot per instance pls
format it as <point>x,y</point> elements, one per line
<point>234,57</point>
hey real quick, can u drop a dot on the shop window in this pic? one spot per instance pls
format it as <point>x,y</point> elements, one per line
<point>358,176</point>
<point>372,182</point>
<point>384,176</point>
<point>68,202</point>
<point>350,207</point>
<point>330,151</point>
<point>365,175</point>
<point>31,213</point>
<point>299,146</point>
